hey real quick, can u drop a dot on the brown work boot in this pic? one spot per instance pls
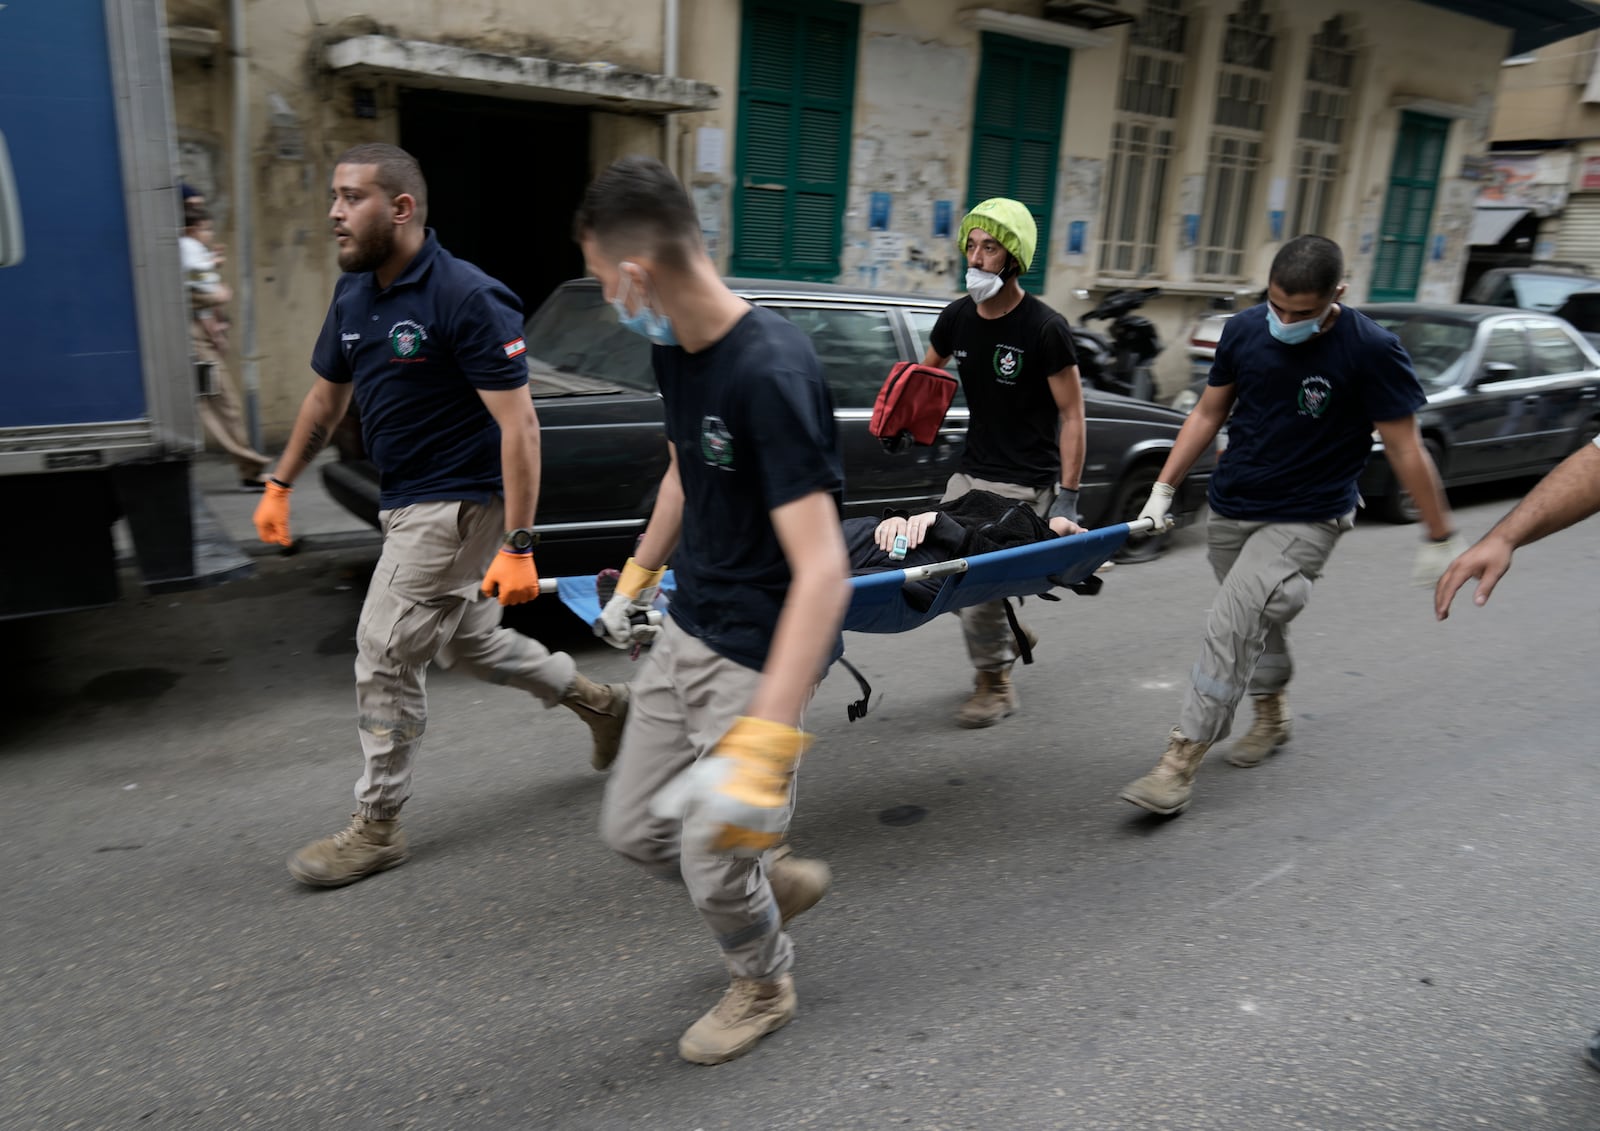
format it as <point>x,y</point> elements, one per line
<point>1271,730</point>
<point>797,883</point>
<point>748,1011</point>
<point>1166,789</point>
<point>604,707</point>
<point>363,848</point>
<point>993,698</point>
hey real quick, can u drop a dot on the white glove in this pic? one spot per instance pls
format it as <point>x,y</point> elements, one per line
<point>1159,504</point>
<point>630,618</point>
<point>1433,558</point>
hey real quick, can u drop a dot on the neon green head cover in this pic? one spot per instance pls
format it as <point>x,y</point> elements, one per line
<point>1008,221</point>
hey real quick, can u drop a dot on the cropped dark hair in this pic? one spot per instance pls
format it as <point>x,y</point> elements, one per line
<point>194,213</point>
<point>1308,265</point>
<point>398,171</point>
<point>637,207</point>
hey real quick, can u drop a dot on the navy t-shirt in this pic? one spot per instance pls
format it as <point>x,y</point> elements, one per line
<point>418,353</point>
<point>1302,419</point>
<point>1014,433</point>
<point>752,419</point>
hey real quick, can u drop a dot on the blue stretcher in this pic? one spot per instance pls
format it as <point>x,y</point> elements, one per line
<point>878,600</point>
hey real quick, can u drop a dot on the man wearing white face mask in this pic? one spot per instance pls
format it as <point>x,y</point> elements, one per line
<point>1306,381</point>
<point>1025,438</point>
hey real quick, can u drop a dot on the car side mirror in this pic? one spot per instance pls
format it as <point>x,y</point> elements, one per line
<point>1496,371</point>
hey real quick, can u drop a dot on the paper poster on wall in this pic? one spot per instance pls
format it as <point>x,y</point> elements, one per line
<point>1275,222</point>
<point>878,212</point>
<point>1077,236</point>
<point>1278,194</point>
<point>888,247</point>
<point>710,145</point>
<point>941,218</point>
<point>1439,243</point>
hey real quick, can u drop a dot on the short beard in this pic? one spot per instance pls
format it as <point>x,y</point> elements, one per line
<point>367,255</point>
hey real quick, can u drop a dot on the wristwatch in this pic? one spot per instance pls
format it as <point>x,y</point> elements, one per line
<point>521,540</point>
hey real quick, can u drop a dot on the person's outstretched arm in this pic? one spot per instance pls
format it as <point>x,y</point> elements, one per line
<point>1569,494</point>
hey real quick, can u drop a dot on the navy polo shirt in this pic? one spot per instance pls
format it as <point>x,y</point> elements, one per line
<point>418,353</point>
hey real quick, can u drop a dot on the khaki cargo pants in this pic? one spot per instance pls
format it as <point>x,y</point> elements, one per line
<point>684,699</point>
<point>423,604</point>
<point>990,641</point>
<point>1266,570</point>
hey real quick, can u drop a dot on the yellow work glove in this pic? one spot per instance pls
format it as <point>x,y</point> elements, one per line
<point>735,800</point>
<point>511,577</point>
<point>630,618</point>
<point>272,514</point>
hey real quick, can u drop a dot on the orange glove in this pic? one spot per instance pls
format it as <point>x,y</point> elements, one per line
<point>511,577</point>
<point>272,515</point>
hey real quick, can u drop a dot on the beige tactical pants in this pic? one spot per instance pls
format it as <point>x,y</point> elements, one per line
<point>990,641</point>
<point>221,408</point>
<point>684,699</point>
<point>424,603</point>
<point>1266,570</point>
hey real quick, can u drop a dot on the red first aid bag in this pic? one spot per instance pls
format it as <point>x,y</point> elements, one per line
<point>912,405</point>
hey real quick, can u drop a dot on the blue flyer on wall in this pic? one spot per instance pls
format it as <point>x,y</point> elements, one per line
<point>941,218</point>
<point>878,213</point>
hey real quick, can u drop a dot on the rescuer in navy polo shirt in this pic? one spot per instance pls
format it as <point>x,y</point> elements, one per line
<point>431,348</point>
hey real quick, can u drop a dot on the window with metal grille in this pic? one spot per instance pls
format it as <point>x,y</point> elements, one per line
<point>1244,81</point>
<point>1323,107</point>
<point>1142,139</point>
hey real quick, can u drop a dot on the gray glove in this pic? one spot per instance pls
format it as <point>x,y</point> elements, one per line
<point>1065,506</point>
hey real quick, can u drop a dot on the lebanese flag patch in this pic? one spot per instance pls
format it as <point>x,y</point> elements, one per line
<point>515,348</point>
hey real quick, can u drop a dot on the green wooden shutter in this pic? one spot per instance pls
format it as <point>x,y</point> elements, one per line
<point>797,73</point>
<point>1408,207</point>
<point>1016,134</point>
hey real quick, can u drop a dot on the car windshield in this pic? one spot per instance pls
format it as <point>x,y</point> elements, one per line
<point>1546,292</point>
<point>1438,346</point>
<point>575,331</point>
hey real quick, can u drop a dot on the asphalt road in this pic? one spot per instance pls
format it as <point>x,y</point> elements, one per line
<point>1392,924</point>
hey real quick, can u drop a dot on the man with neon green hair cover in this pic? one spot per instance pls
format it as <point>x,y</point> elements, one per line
<point>1025,438</point>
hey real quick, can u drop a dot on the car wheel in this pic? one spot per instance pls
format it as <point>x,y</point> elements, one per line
<point>1131,495</point>
<point>1398,505</point>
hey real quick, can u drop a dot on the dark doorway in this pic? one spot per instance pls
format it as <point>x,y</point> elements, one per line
<point>504,180</point>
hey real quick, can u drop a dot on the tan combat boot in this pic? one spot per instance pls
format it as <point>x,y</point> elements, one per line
<point>363,848</point>
<point>604,707</point>
<point>1166,789</point>
<point>1271,730</point>
<point>993,698</point>
<point>748,1011</point>
<point>797,883</point>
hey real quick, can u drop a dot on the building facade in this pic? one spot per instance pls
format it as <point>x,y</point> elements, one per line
<point>1165,143</point>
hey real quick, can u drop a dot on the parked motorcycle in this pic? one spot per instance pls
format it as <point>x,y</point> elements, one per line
<point>1120,363</point>
<point>1203,338</point>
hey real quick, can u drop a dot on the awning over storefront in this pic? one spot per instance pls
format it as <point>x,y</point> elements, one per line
<point>1490,225</point>
<point>1533,23</point>
<point>444,66</point>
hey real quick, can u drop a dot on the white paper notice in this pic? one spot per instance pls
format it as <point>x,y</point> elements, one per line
<point>710,143</point>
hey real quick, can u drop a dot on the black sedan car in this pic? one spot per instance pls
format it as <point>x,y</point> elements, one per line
<point>1510,393</point>
<point>605,448</point>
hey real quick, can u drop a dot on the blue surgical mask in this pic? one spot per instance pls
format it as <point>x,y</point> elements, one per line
<point>646,323</point>
<point>1293,333</point>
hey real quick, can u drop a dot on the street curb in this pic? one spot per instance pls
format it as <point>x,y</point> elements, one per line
<point>308,543</point>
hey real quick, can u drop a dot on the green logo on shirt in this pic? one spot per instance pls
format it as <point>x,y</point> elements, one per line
<point>716,443</point>
<point>1315,393</point>
<point>1007,363</point>
<point>406,338</point>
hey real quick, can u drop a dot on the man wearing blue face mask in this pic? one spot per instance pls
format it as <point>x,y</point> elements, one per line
<point>1306,380</point>
<point>1025,435</point>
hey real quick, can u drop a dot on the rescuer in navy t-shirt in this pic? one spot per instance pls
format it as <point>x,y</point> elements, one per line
<point>432,349</point>
<point>1306,381</point>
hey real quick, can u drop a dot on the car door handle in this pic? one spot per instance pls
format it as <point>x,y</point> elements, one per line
<point>1588,394</point>
<point>1531,398</point>
<point>951,435</point>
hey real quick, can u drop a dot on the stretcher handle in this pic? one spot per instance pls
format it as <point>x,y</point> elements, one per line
<point>935,569</point>
<point>1148,526</point>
